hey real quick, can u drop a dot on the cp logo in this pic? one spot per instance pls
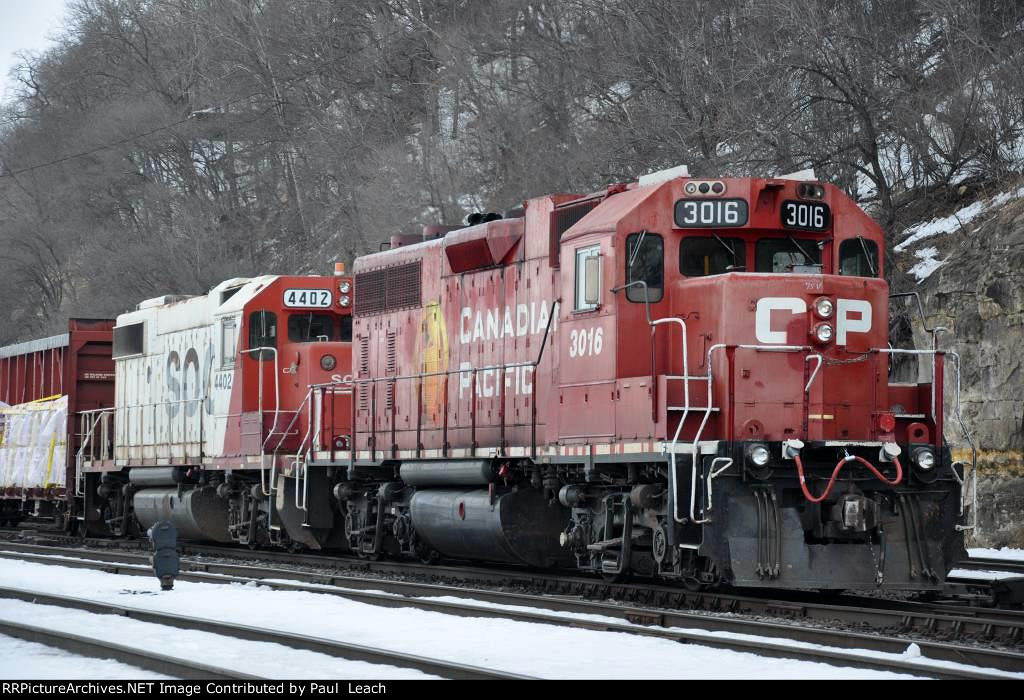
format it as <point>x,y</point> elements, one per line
<point>852,316</point>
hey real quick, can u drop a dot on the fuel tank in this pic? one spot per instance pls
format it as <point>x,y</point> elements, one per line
<point>519,527</point>
<point>199,514</point>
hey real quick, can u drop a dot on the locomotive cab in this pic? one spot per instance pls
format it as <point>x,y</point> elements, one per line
<point>749,327</point>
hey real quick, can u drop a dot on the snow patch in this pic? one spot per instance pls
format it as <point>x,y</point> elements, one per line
<point>955,221</point>
<point>928,263</point>
<point>1008,553</point>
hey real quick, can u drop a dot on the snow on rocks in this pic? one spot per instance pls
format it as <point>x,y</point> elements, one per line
<point>955,221</point>
<point>928,263</point>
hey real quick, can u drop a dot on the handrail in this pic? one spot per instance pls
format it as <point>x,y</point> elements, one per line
<point>707,413</point>
<point>277,412</point>
<point>87,436</point>
<point>959,417</point>
<point>420,376</point>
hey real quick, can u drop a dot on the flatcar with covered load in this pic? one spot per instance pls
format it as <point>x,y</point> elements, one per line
<point>44,385</point>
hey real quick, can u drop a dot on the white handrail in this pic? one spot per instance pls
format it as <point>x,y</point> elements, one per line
<point>277,412</point>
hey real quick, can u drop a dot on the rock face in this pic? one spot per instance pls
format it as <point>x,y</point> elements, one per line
<point>971,281</point>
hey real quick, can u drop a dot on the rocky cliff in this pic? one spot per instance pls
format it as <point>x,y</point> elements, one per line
<point>969,270</point>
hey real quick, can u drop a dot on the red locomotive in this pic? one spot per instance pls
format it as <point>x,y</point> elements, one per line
<point>679,378</point>
<point>684,378</point>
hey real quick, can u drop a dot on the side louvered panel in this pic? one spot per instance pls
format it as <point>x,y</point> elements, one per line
<point>391,369</point>
<point>363,371</point>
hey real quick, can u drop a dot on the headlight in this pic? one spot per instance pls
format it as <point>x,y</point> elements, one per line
<point>758,455</point>
<point>344,287</point>
<point>824,307</point>
<point>823,333</point>
<point>924,458</point>
<point>345,300</point>
<point>328,362</point>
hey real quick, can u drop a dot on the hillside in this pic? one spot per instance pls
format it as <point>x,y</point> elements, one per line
<point>968,266</point>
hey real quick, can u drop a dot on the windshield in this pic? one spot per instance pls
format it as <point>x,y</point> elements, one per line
<point>787,255</point>
<point>307,327</point>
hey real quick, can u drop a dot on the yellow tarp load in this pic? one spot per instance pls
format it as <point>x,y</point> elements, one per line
<point>33,440</point>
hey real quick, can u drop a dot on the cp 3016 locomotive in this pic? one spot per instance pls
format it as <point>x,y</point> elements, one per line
<point>679,378</point>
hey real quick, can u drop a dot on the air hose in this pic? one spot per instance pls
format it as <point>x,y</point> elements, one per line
<point>839,467</point>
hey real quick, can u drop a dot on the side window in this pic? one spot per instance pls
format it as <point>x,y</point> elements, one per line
<point>228,342</point>
<point>346,329</point>
<point>858,257</point>
<point>788,255</point>
<point>262,333</point>
<point>700,257</point>
<point>588,278</point>
<point>645,262</point>
<point>308,327</point>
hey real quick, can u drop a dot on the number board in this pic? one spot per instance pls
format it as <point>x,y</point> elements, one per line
<point>808,216</point>
<point>308,298</point>
<point>711,213</point>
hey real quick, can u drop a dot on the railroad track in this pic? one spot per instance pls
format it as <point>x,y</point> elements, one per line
<point>991,564</point>
<point>763,637</point>
<point>104,649</point>
<point>182,668</point>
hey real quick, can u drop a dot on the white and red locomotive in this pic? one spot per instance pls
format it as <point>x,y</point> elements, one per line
<point>213,405</point>
<point>679,378</point>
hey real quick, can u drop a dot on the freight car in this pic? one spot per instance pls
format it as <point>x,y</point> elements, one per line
<point>214,407</point>
<point>44,384</point>
<point>682,378</point>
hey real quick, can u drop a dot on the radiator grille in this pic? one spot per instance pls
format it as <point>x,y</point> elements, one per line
<point>566,217</point>
<point>388,289</point>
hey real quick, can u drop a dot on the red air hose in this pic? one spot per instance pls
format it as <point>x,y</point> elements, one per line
<point>839,468</point>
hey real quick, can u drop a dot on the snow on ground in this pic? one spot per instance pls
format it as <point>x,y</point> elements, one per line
<point>519,647</point>
<point>1008,553</point>
<point>30,661</point>
<point>955,221</point>
<point>261,659</point>
<point>928,263</point>
<point>979,575</point>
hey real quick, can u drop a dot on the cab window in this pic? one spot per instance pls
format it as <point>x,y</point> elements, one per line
<point>588,278</point>
<point>645,262</point>
<point>262,333</point>
<point>788,255</point>
<point>346,329</point>
<point>858,257</point>
<point>228,342</point>
<point>308,327</point>
<point>700,257</point>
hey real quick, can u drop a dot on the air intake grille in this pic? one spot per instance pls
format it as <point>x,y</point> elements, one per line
<point>566,216</point>
<point>388,289</point>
